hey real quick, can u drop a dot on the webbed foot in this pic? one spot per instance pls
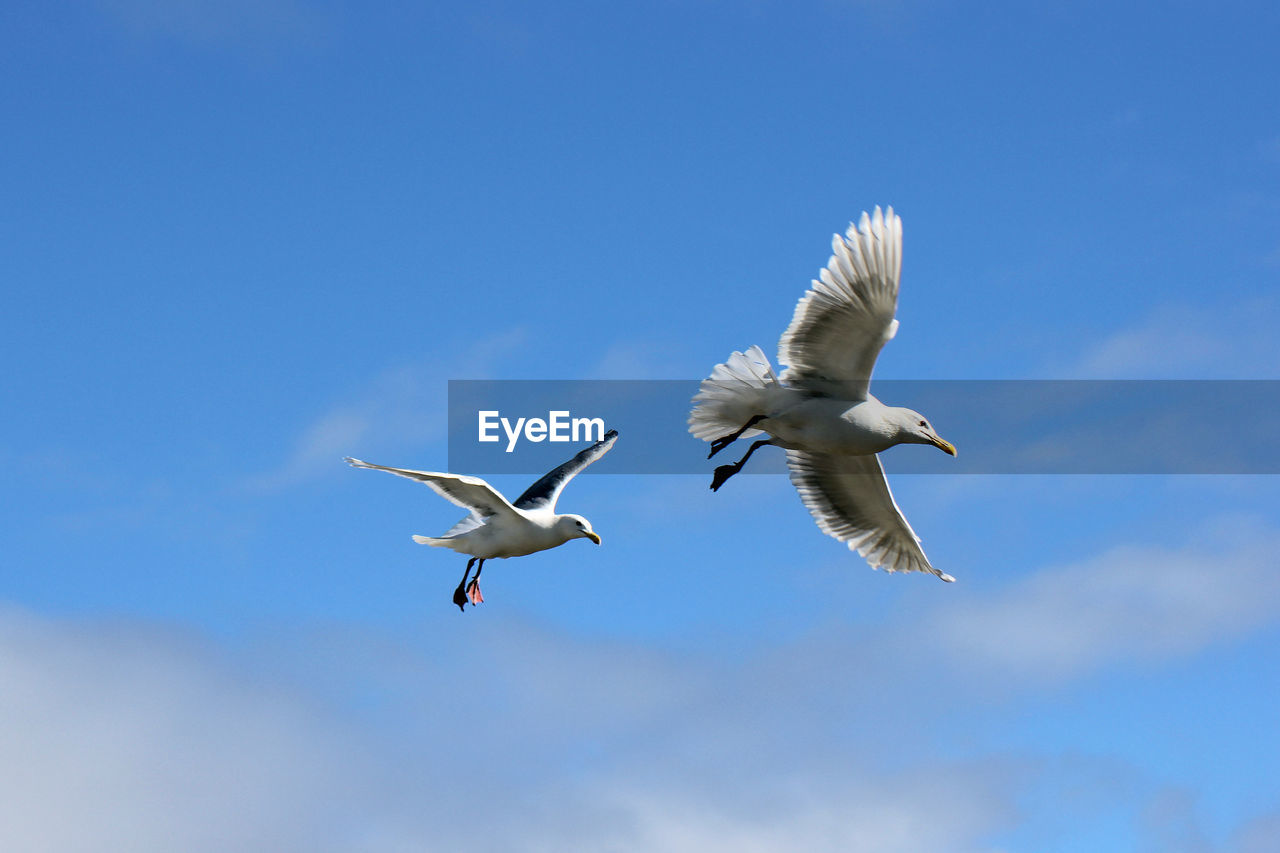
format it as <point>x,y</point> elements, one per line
<point>722,474</point>
<point>720,444</point>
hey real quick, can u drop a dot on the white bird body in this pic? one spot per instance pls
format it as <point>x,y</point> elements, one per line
<point>821,410</point>
<point>497,528</point>
<point>831,426</point>
<point>518,535</point>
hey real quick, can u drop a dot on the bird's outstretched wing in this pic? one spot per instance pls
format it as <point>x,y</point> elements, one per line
<point>544,493</point>
<point>467,492</point>
<point>849,498</point>
<point>845,319</point>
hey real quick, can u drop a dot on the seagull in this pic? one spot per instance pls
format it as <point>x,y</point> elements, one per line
<point>821,410</point>
<point>497,528</point>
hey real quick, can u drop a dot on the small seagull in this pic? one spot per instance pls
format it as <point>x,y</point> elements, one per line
<point>497,528</point>
<point>821,410</point>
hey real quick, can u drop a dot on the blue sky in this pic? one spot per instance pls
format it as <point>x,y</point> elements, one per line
<point>242,240</point>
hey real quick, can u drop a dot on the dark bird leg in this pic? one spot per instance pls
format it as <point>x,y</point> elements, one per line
<point>459,594</point>
<point>721,443</point>
<point>724,472</point>
<point>473,589</point>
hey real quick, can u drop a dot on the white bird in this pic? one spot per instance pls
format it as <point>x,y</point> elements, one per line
<point>497,528</point>
<point>821,410</point>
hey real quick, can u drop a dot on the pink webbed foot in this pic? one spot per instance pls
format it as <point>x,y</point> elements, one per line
<point>473,593</point>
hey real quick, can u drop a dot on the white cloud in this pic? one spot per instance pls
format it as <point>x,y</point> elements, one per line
<point>1132,603</point>
<point>125,737</point>
<point>1269,149</point>
<point>129,737</point>
<point>120,738</point>
<point>1170,824</point>
<point>323,443</point>
<point>639,359</point>
<point>946,807</point>
<point>222,21</point>
<point>1260,835</point>
<point>404,406</point>
<point>1190,342</point>
<point>505,736</point>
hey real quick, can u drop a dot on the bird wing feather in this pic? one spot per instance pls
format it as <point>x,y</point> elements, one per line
<point>467,492</point>
<point>849,498</point>
<point>846,317</point>
<point>546,491</point>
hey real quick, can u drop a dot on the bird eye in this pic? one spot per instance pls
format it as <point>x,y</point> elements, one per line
<point>923,424</point>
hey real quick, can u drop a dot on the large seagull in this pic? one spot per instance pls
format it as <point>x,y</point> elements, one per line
<point>821,410</point>
<point>498,528</point>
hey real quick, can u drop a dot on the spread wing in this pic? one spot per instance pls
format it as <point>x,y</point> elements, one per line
<point>544,493</point>
<point>845,319</point>
<point>849,498</point>
<point>467,492</point>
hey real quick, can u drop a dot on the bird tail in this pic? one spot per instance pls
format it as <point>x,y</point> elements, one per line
<point>438,542</point>
<point>741,388</point>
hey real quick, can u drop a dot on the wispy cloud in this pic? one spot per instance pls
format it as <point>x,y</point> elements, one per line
<point>639,359</point>
<point>1269,150</point>
<point>1260,835</point>
<point>513,737</point>
<point>1233,341</point>
<point>404,406</point>
<point>1132,603</point>
<point>943,807</point>
<point>127,736</point>
<point>243,22</point>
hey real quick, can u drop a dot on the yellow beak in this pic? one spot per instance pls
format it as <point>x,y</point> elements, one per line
<point>944,445</point>
<point>594,537</point>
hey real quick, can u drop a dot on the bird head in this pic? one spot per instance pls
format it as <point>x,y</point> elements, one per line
<point>577,527</point>
<point>914,428</point>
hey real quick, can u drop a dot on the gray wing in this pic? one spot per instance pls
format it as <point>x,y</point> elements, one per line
<point>466,525</point>
<point>843,321</point>
<point>545,492</point>
<point>467,492</point>
<point>849,498</point>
